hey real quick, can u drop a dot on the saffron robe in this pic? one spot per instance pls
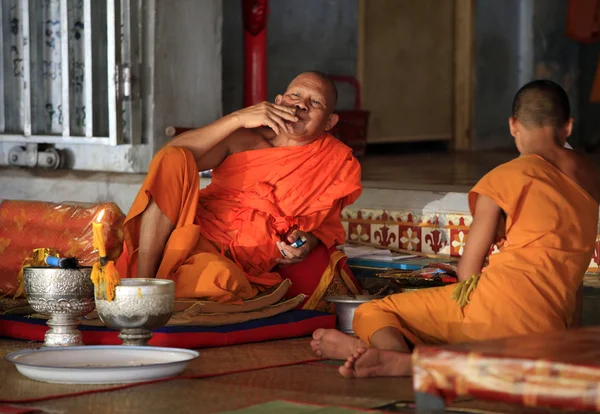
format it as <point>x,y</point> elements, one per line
<point>529,286</point>
<point>223,245</point>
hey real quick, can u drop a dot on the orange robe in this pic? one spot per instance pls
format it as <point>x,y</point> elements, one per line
<point>529,286</point>
<point>223,246</point>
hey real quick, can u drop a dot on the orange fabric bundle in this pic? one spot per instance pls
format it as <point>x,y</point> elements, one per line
<point>27,225</point>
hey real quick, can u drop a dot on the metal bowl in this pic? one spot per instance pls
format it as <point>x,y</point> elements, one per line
<point>63,294</point>
<point>345,307</point>
<point>139,306</point>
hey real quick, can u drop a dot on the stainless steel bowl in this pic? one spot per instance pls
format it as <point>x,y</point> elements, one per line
<point>345,307</point>
<point>139,306</point>
<point>63,294</point>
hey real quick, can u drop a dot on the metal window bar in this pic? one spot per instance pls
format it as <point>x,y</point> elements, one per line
<point>114,103</point>
<point>88,87</point>
<point>114,76</point>
<point>64,61</point>
<point>26,82</point>
<point>131,59</point>
<point>2,110</point>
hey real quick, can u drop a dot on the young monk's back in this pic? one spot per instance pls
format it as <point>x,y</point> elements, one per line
<point>551,226</point>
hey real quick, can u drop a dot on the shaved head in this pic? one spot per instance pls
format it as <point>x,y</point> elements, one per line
<point>326,81</point>
<point>542,103</point>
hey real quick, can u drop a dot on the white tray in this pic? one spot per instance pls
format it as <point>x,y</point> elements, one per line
<point>101,364</point>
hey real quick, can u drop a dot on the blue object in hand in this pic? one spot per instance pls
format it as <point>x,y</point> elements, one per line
<point>299,243</point>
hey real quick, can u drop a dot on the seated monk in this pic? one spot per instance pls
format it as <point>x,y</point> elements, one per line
<point>278,176</point>
<point>545,207</point>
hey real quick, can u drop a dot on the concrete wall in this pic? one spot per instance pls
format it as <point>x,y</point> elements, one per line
<point>302,35</point>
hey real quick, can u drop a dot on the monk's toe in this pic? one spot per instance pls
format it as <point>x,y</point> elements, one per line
<point>318,334</point>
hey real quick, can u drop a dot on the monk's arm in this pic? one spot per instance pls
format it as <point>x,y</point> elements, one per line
<point>482,234</point>
<point>576,322</point>
<point>208,144</point>
<point>331,231</point>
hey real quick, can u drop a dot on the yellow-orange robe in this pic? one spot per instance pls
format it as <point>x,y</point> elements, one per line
<point>223,246</point>
<point>529,286</point>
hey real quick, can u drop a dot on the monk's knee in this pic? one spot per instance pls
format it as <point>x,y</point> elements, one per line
<point>174,157</point>
<point>363,310</point>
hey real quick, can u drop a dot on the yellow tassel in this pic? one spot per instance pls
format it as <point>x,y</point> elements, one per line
<point>112,280</point>
<point>463,290</point>
<point>106,279</point>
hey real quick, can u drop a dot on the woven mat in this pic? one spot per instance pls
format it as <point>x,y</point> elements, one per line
<point>380,391</point>
<point>294,408</point>
<point>308,383</point>
<point>211,361</point>
<point>208,396</point>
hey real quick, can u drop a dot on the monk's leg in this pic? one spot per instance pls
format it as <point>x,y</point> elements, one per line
<point>389,326</point>
<point>155,230</point>
<point>165,204</point>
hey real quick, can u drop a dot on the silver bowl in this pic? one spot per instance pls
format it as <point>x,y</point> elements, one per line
<point>345,307</point>
<point>139,306</point>
<point>63,294</point>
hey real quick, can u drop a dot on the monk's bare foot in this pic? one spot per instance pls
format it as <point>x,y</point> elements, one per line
<point>376,363</point>
<point>333,344</point>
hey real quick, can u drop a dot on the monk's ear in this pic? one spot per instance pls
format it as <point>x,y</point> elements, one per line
<point>331,121</point>
<point>569,127</point>
<point>278,99</point>
<point>513,126</point>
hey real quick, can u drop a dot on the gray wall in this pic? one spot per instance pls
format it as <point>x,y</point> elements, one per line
<point>555,56</point>
<point>517,41</point>
<point>497,66</point>
<point>187,64</point>
<point>302,35</point>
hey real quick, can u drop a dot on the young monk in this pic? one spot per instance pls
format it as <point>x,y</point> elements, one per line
<point>278,177</point>
<point>544,204</point>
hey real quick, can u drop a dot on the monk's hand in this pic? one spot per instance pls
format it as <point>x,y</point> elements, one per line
<point>291,254</point>
<point>267,114</point>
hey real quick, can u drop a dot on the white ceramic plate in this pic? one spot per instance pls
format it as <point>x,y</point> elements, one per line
<point>101,364</point>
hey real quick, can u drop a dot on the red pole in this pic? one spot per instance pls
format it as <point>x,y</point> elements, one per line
<point>255,50</point>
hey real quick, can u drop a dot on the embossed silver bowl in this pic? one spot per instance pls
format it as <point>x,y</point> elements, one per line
<point>139,306</point>
<point>63,294</point>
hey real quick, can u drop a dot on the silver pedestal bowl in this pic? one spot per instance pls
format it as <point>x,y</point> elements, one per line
<point>63,294</point>
<point>139,306</point>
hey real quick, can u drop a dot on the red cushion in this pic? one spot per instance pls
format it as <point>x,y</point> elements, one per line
<point>292,324</point>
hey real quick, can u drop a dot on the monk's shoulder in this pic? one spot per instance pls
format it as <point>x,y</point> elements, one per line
<point>510,168</point>
<point>336,145</point>
<point>583,170</point>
